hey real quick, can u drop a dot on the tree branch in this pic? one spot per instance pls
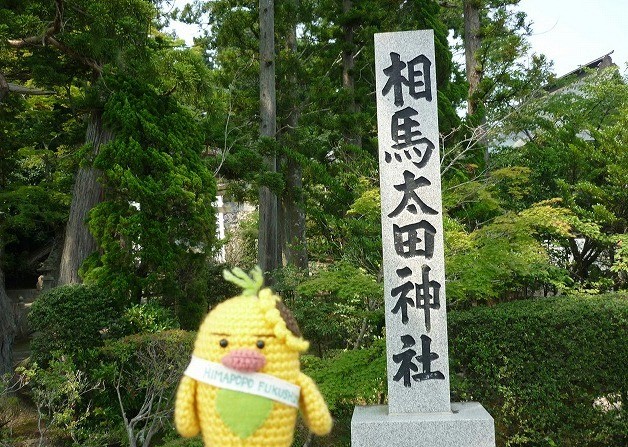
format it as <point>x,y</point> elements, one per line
<point>20,89</point>
<point>47,38</point>
<point>54,28</point>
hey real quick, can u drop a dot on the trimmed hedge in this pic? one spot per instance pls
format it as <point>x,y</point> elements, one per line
<point>70,319</point>
<point>551,371</point>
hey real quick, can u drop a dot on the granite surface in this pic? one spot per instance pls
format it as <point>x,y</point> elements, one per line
<point>412,227</point>
<point>467,425</point>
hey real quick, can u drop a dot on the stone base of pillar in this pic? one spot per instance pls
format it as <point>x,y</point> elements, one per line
<point>468,425</point>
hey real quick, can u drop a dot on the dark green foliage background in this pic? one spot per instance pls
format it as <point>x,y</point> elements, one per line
<point>537,366</point>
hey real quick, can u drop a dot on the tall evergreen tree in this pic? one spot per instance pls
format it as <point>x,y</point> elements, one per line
<point>72,36</point>
<point>100,49</point>
<point>498,67</point>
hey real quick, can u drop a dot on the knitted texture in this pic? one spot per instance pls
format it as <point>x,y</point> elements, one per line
<point>245,333</point>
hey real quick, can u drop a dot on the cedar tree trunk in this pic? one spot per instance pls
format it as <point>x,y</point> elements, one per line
<point>472,44</point>
<point>293,228</point>
<point>79,242</point>
<point>351,136</point>
<point>267,239</point>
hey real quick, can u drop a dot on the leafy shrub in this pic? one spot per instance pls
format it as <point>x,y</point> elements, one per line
<point>141,373</point>
<point>71,320</point>
<point>347,299</point>
<point>549,371</point>
<point>82,403</point>
<point>62,395</point>
<point>350,377</point>
<point>546,368</point>
<point>346,379</point>
<point>144,319</point>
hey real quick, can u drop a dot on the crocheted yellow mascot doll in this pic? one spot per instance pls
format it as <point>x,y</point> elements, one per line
<point>243,386</point>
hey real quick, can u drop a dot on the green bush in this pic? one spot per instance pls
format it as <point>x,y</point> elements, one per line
<point>349,378</point>
<point>551,372</point>
<point>346,298</point>
<point>145,369</point>
<point>143,319</point>
<point>178,441</point>
<point>82,402</point>
<point>71,320</point>
<point>548,370</point>
<point>203,292</point>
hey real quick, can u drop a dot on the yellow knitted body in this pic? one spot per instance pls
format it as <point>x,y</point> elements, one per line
<point>246,323</point>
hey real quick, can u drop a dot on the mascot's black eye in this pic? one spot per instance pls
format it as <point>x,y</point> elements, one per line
<point>224,343</point>
<point>260,344</point>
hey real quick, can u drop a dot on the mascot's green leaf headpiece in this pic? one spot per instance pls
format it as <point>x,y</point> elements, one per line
<point>251,285</point>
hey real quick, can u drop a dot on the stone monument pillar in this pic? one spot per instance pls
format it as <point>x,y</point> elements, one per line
<point>419,412</point>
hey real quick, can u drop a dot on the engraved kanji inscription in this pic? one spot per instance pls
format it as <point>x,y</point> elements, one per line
<point>425,299</point>
<point>416,239</point>
<point>418,80</point>
<point>403,301</point>
<point>425,359</point>
<point>406,361</point>
<point>410,198</point>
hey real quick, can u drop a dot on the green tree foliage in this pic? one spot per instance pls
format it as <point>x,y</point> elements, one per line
<point>37,138</point>
<point>352,169</point>
<point>80,50</point>
<point>124,395</point>
<point>156,223</point>
<point>575,148</point>
<point>505,71</point>
<point>505,258</point>
<point>327,109</point>
<point>148,318</point>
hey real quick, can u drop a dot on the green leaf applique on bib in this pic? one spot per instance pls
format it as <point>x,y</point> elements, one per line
<point>243,413</point>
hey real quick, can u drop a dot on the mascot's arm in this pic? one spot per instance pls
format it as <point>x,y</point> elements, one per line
<point>313,407</point>
<point>185,418</point>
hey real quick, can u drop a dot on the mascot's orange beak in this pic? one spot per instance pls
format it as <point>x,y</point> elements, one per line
<point>244,360</point>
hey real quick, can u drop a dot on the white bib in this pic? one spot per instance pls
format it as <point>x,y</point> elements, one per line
<point>252,383</point>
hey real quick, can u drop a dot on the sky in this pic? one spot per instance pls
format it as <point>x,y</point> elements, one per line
<point>569,32</point>
<point>575,32</point>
